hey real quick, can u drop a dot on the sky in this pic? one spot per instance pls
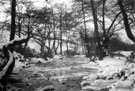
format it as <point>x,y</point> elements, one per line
<point>38,4</point>
<point>42,3</point>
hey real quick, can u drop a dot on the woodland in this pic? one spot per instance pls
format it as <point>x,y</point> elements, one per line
<point>74,46</point>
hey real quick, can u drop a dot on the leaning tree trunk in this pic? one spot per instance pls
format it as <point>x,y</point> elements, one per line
<point>7,70</point>
<point>7,67</point>
<point>126,23</point>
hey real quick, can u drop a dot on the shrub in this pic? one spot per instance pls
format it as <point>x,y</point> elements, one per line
<point>27,52</point>
<point>131,58</point>
<point>117,45</point>
<point>47,53</point>
<point>70,53</point>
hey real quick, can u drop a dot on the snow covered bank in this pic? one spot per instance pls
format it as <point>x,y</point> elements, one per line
<point>114,74</point>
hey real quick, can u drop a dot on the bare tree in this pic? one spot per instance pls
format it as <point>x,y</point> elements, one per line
<point>125,19</point>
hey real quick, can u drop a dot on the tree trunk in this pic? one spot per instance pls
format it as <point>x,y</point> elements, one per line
<point>19,26</point>
<point>7,50</point>
<point>86,41</point>
<point>10,61</point>
<point>49,40</point>
<point>103,15</point>
<point>126,23</point>
<point>7,69</point>
<point>99,50</point>
<point>61,34</point>
<point>54,32</point>
<point>67,41</point>
<point>84,17</point>
<point>105,37</point>
<point>13,15</point>
<point>94,13</point>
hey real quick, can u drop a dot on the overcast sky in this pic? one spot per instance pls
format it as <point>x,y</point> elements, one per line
<point>37,4</point>
<point>42,3</point>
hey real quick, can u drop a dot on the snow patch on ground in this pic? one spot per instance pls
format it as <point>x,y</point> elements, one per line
<point>112,72</point>
<point>90,65</point>
<point>107,76</point>
<point>124,53</point>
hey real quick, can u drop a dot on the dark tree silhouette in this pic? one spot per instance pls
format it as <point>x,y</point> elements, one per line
<point>13,14</point>
<point>8,66</point>
<point>126,23</point>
